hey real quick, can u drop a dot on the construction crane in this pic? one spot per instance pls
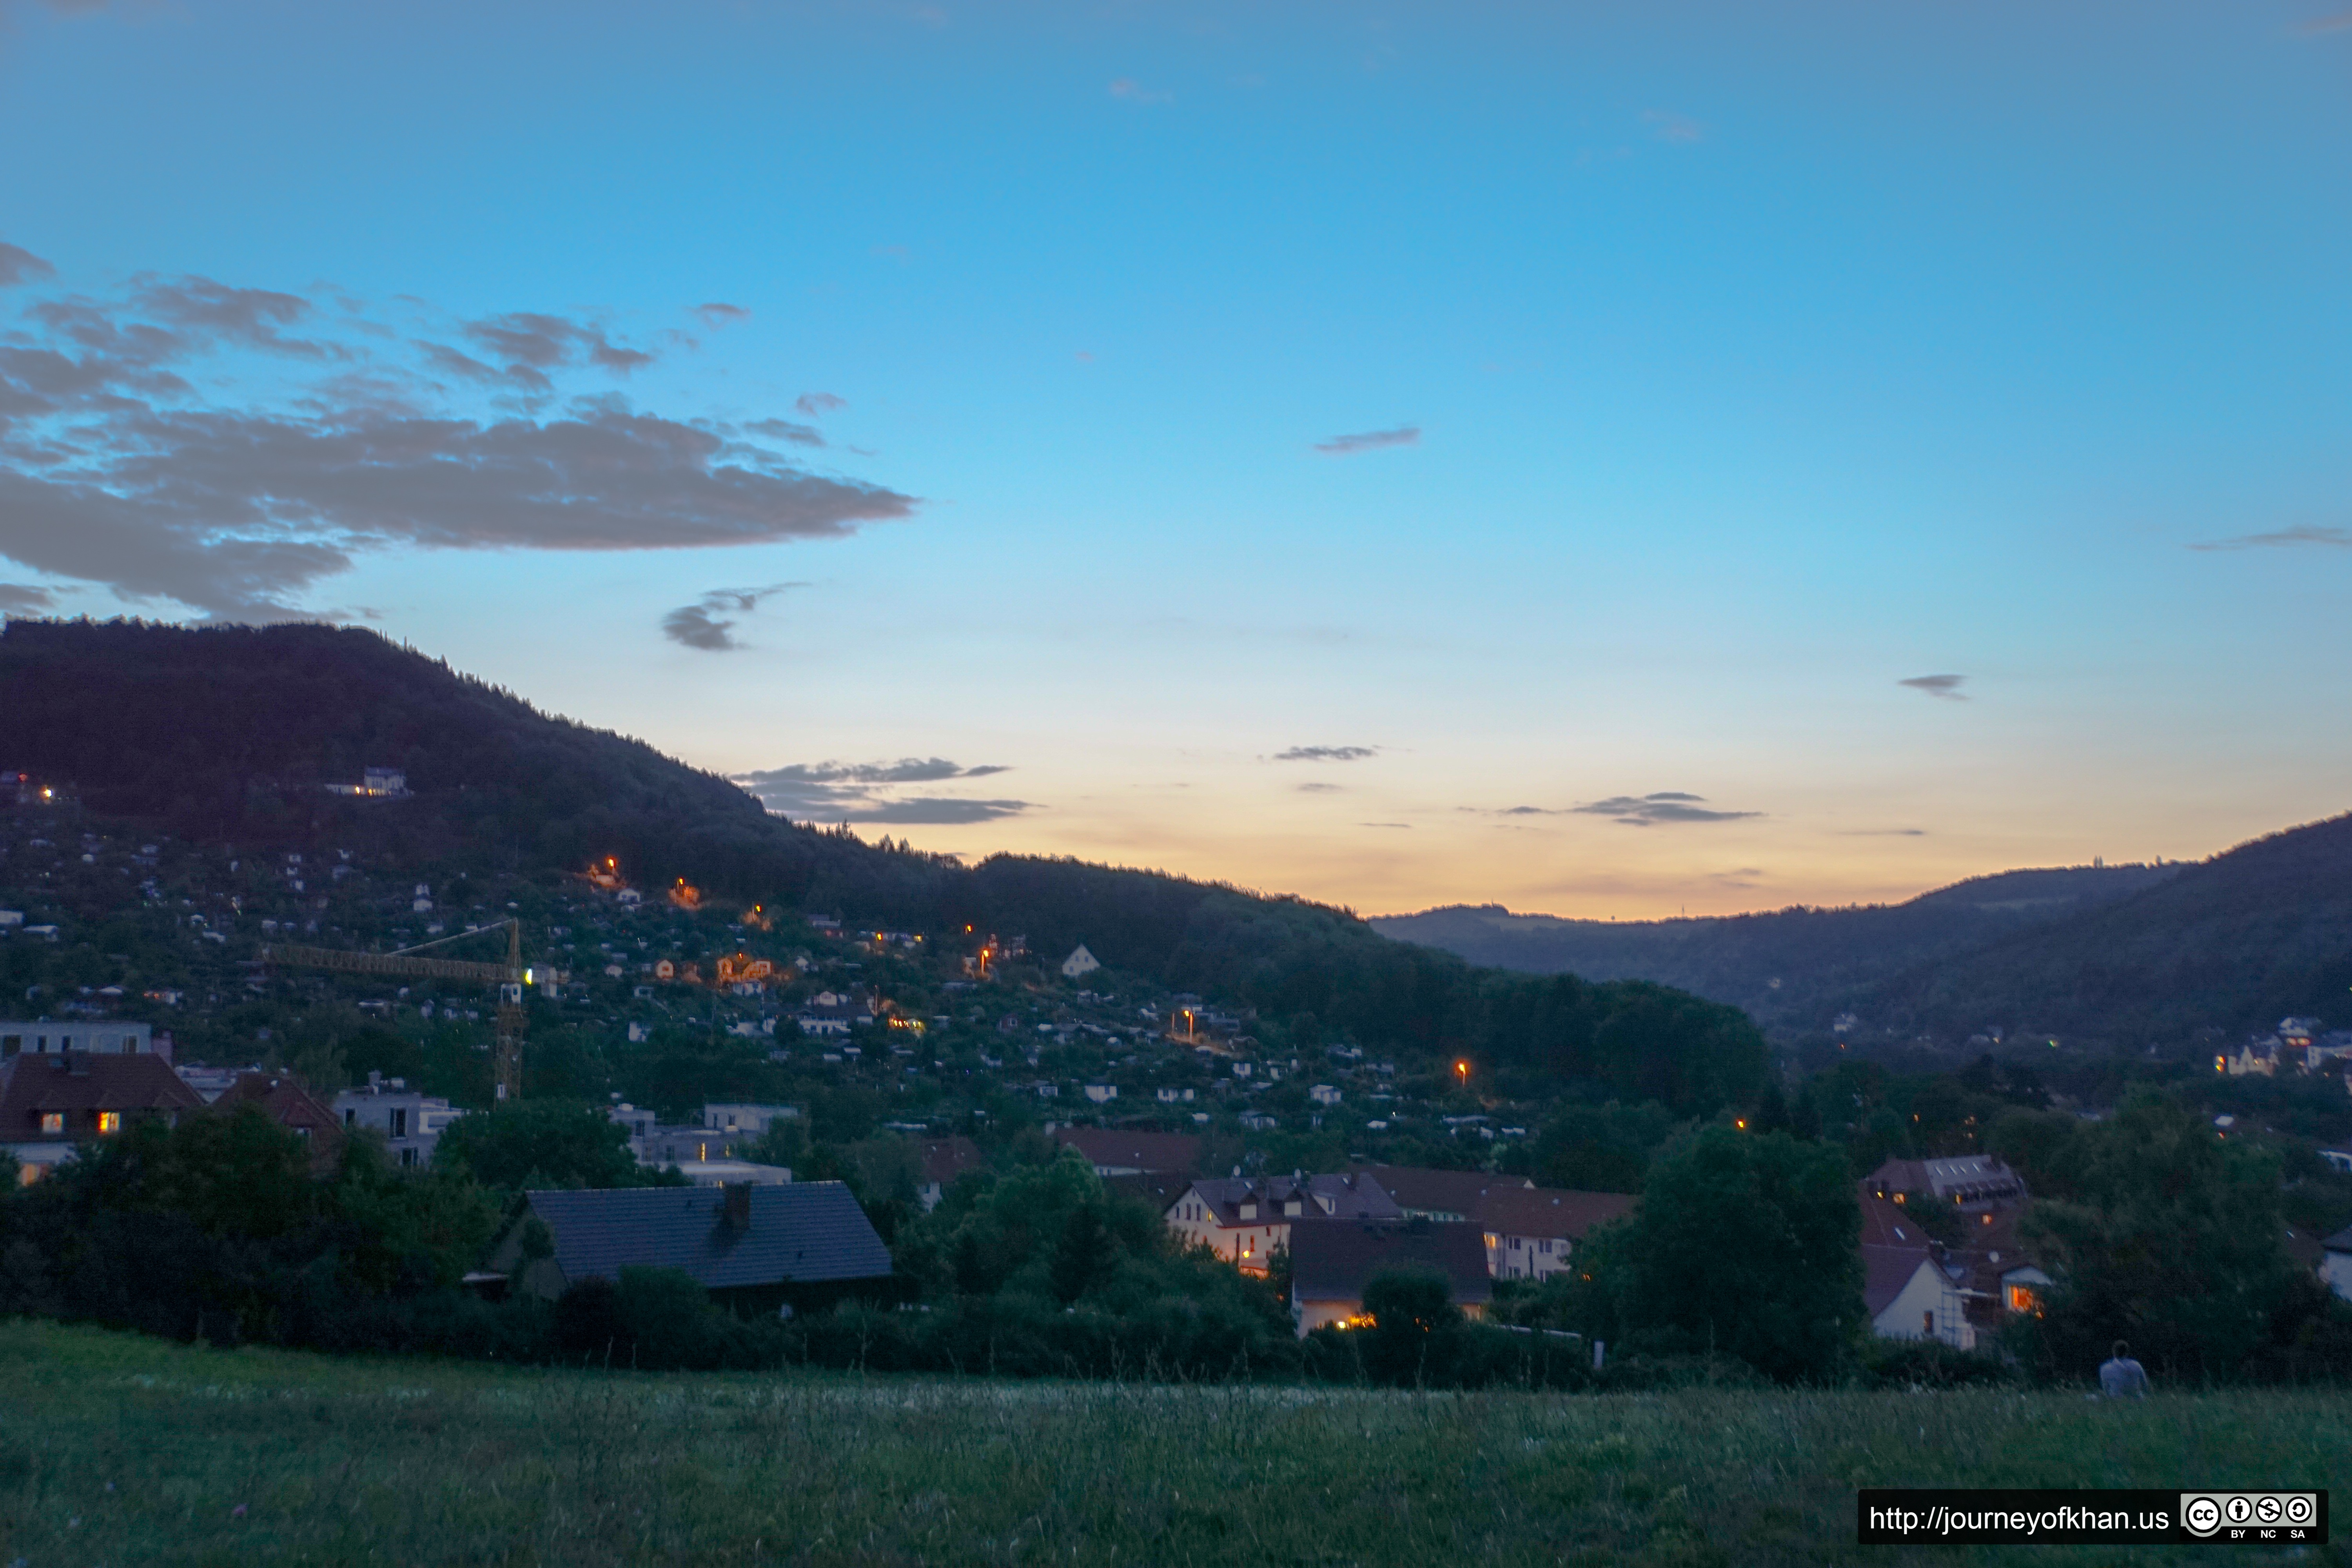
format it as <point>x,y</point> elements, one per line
<point>510,977</point>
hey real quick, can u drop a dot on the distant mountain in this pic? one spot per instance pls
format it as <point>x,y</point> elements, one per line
<point>1794,968</point>
<point>2125,953</point>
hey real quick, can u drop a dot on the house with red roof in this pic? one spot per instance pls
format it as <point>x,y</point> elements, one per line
<point>50,1104</point>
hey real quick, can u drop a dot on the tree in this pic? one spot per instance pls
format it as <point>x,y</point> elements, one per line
<point>540,1144</point>
<point>1084,1253</point>
<point>1416,1327</point>
<point>1745,1243</point>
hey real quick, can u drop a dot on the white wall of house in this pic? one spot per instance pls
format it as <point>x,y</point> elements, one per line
<point>1928,1309</point>
<point>1526,1257</point>
<point>2336,1267</point>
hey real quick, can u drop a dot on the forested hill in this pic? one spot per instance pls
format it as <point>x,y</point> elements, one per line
<point>227,735</point>
<point>2128,954</point>
<point>1796,967</point>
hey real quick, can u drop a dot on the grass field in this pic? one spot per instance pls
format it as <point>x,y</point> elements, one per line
<point>118,1450</point>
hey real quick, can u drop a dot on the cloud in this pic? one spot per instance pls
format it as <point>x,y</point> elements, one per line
<point>20,266</point>
<point>22,598</point>
<point>2340,23</point>
<point>817,404</point>
<point>1326,753</point>
<point>698,626</point>
<point>1658,810</point>
<point>2285,538</point>
<point>116,469</point>
<point>1134,91</point>
<point>1947,687</point>
<point>1883,832</point>
<point>1384,825</point>
<point>718,313</point>
<point>785,430</point>
<point>1675,128</point>
<point>1370,441</point>
<point>1318,789</point>
<point>866,791</point>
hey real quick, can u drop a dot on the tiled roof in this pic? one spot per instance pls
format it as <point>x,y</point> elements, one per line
<point>2340,1242</point>
<point>33,1085</point>
<point>1555,1212</point>
<point>805,1231</point>
<point>1423,1191</point>
<point>1122,1149</point>
<point>945,1159</point>
<point>1332,1260</point>
<point>1886,1270</point>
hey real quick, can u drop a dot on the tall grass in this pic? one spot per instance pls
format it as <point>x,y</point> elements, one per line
<point>117,1450</point>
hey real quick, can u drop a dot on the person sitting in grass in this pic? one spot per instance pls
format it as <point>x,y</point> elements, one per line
<point>2122,1377</point>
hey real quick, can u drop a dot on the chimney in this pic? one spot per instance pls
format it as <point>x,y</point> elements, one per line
<point>737,1205</point>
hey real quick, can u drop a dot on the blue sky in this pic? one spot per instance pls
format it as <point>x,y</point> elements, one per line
<point>1400,454</point>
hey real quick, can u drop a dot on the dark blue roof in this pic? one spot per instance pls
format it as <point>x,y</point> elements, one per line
<point>800,1231</point>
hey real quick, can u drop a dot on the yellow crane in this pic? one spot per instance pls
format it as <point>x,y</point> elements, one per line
<point>510,978</point>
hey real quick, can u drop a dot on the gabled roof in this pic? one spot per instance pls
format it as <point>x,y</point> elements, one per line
<point>805,1231</point>
<point>1888,1272</point>
<point>1123,1149</point>
<point>1348,1197</point>
<point>1333,1260</point>
<point>80,1081</point>
<point>1970,1178</point>
<point>945,1159</point>
<point>2340,1242</point>
<point>285,1102</point>
<point>1556,1211</point>
<point>1419,1190</point>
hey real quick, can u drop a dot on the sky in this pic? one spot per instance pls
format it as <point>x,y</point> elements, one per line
<point>1610,459</point>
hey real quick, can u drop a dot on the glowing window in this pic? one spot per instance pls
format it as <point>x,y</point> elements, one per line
<point>2020,1298</point>
<point>53,1122</point>
<point>109,1121</point>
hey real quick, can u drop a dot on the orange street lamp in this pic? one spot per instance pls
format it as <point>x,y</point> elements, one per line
<point>1461,1070</point>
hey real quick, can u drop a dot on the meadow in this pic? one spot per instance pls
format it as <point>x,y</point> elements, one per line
<point>117,1450</point>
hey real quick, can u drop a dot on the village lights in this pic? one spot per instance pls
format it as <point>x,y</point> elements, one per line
<point>1461,1070</point>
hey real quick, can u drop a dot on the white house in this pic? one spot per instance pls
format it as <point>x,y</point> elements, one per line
<point>412,1124</point>
<point>102,1037</point>
<point>1242,1219</point>
<point>2336,1262</point>
<point>1906,1287</point>
<point>1102,1093</point>
<point>1324,1094</point>
<point>1079,964</point>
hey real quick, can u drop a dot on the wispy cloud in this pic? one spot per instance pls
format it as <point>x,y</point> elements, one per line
<point>2340,23</point>
<point>817,404</point>
<point>116,469</point>
<point>699,624</point>
<point>1370,441</point>
<point>1318,788</point>
<point>1134,91</point>
<point>871,791</point>
<point>1677,128</point>
<point>23,599</point>
<point>718,313</point>
<point>1667,807</point>
<point>1944,687</point>
<point>1406,825</point>
<point>1883,832</point>
<point>2284,539</point>
<point>1325,755</point>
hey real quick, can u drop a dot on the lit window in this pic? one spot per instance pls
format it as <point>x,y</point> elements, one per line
<point>109,1121</point>
<point>2020,1298</point>
<point>53,1122</point>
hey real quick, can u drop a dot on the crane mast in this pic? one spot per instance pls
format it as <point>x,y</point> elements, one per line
<point>508,977</point>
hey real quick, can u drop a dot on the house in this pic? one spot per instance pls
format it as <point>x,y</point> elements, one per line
<point>1079,964</point>
<point>1530,1231</point>
<point>2336,1262</point>
<point>1324,1094</point>
<point>1102,1093</point>
<point>410,1122</point>
<point>1124,1151</point>
<point>1969,1183</point>
<point>2259,1054</point>
<point>1906,1287</point>
<point>752,1248</point>
<point>747,1121</point>
<point>52,1102</point>
<point>1332,1261</point>
<point>684,1144</point>
<point>1992,1272</point>
<point>831,1015</point>
<point>105,1036</point>
<point>283,1098</point>
<point>1244,1218</point>
<point>944,1160</point>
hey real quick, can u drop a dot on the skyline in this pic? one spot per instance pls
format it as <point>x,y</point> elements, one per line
<point>1600,464</point>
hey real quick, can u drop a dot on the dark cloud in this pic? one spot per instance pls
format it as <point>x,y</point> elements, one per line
<point>18,265</point>
<point>1370,440</point>
<point>718,313</point>
<point>785,430</point>
<point>113,468</point>
<point>865,792</point>
<point>1326,753</point>
<point>22,598</point>
<point>1668,806</point>
<point>1946,687</point>
<point>817,404</point>
<point>697,625</point>
<point>2284,538</point>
